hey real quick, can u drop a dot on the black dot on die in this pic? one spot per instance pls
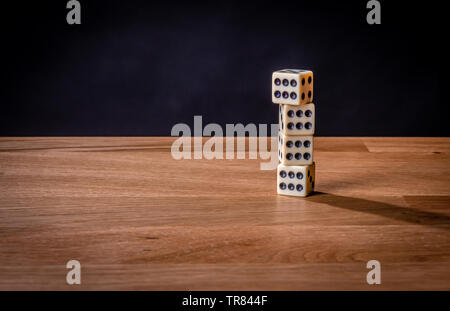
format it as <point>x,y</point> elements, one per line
<point>307,144</point>
<point>299,187</point>
<point>299,125</point>
<point>293,95</point>
<point>291,187</point>
<point>299,113</point>
<point>303,81</point>
<point>308,113</point>
<point>290,113</point>
<point>291,174</point>
<point>303,95</point>
<point>290,125</point>
<point>310,179</point>
<point>277,81</point>
<point>289,144</point>
<point>282,186</point>
<point>298,144</point>
<point>285,82</point>
<point>313,184</point>
<point>293,82</point>
<point>300,175</point>
<point>308,125</point>
<point>289,156</point>
<point>307,156</point>
<point>282,174</point>
<point>285,95</point>
<point>309,173</point>
<point>298,156</point>
<point>309,80</point>
<point>309,94</point>
<point>277,94</point>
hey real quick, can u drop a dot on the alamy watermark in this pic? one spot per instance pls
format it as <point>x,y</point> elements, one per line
<point>73,277</point>
<point>213,148</point>
<point>374,275</point>
<point>374,15</point>
<point>74,15</point>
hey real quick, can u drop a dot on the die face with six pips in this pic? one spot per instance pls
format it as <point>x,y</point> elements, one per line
<point>298,180</point>
<point>295,150</point>
<point>292,89</point>
<point>297,120</point>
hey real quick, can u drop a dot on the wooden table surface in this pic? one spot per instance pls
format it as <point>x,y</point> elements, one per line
<point>137,219</point>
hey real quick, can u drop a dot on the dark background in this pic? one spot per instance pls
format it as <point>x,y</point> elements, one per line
<point>139,67</point>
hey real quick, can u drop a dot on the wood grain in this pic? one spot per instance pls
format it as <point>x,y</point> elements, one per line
<point>137,219</point>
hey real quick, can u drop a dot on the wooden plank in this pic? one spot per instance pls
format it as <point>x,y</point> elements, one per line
<point>231,243</point>
<point>408,144</point>
<point>404,276</point>
<point>151,173</point>
<point>332,144</point>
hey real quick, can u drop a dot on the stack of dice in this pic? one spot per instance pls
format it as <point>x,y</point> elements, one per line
<point>292,89</point>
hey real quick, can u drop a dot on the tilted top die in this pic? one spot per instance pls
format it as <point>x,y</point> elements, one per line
<point>292,87</point>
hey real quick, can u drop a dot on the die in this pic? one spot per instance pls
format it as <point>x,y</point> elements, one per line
<point>295,150</point>
<point>292,87</point>
<point>296,180</point>
<point>297,120</point>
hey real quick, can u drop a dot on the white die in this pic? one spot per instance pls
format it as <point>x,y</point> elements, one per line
<point>292,87</point>
<point>296,180</point>
<point>297,120</point>
<point>295,150</point>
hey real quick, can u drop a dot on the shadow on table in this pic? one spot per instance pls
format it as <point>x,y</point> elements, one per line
<point>382,209</point>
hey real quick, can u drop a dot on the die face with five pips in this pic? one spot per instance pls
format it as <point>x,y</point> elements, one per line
<point>292,87</point>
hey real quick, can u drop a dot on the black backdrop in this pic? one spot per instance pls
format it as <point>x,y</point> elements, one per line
<point>139,67</point>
